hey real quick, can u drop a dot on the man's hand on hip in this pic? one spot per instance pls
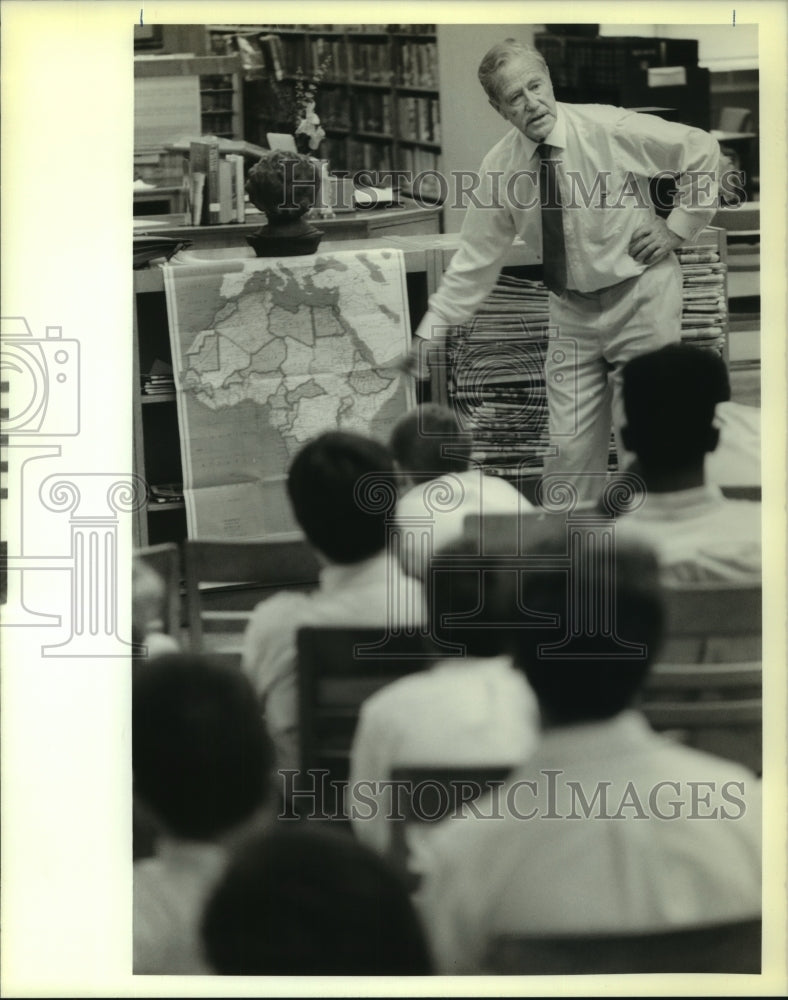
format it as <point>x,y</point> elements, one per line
<point>652,241</point>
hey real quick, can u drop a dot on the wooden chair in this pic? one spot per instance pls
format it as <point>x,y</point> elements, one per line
<point>225,580</point>
<point>338,668</point>
<point>731,948</point>
<point>165,560</point>
<point>706,686</point>
<point>433,793</point>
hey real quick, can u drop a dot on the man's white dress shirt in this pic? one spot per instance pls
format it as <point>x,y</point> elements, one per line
<point>462,712</point>
<point>607,156</point>
<point>373,592</point>
<point>443,504</point>
<point>590,845</point>
<point>698,535</point>
<point>170,891</point>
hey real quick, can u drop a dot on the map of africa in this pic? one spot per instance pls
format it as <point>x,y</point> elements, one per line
<point>269,353</point>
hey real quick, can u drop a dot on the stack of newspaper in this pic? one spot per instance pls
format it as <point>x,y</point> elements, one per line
<point>496,377</point>
<point>704,310</point>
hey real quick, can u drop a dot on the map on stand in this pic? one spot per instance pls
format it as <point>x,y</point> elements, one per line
<point>267,354</point>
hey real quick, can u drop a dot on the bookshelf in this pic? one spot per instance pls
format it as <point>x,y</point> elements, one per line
<point>178,97</point>
<point>624,71</point>
<point>377,92</point>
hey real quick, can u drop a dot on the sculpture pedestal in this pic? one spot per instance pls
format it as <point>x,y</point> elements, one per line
<point>288,239</point>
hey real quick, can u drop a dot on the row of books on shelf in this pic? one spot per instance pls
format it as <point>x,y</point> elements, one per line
<point>372,63</point>
<point>327,58</point>
<point>418,64</point>
<point>418,161</point>
<point>372,112</point>
<point>419,118</point>
<point>604,61</point>
<point>330,61</point>
<point>216,185</point>
<point>159,380</point>
<point>374,156</point>
<point>373,29</point>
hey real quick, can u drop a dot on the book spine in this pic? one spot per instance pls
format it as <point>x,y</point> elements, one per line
<point>212,182</point>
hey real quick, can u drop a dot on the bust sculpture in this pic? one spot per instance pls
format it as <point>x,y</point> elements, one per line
<point>284,186</point>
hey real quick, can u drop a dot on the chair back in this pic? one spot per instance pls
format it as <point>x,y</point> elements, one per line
<point>730,948</point>
<point>165,561</point>
<point>338,669</point>
<point>706,686</point>
<point>226,579</point>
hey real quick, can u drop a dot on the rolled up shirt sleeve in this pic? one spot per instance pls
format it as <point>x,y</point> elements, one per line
<point>649,145</point>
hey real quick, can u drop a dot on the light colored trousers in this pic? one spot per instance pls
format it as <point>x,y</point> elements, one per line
<point>592,336</point>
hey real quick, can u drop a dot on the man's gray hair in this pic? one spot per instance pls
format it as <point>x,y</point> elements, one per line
<point>498,56</point>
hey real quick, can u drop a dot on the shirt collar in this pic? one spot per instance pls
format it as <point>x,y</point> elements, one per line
<point>625,733</point>
<point>684,500</point>
<point>556,138</point>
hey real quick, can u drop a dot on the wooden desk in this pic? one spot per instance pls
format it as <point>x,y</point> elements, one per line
<point>408,220</point>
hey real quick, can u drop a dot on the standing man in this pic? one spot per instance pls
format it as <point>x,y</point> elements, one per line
<point>580,174</point>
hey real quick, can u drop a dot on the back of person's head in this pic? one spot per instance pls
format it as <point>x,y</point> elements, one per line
<point>428,442</point>
<point>605,628</point>
<point>670,396</point>
<point>306,901</point>
<point>200,753</point>
<point>467,590</point>
<point>498,56</point>
<point>323,486</point>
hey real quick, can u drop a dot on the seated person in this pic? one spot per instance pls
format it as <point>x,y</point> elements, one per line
<point>147,610</point>
<point>466,710</point>
<point>434,456</point>
<point>670,397</point>
<point>201,762</point>
<point>359,585</point>
<point>303,901</point>
<point>608,827</point>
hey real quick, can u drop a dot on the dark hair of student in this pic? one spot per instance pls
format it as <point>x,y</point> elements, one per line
<point>200,753</point>
<point>465,589</point>
<point>331,485</point>
<point>312,902</point>
<point>670,396</point>
<point>428,442</point>
<point>599,672</point>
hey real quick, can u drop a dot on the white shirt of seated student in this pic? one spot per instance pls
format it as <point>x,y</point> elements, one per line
<point>464,712</point>
<point>736,461</point>
<point>170,891</point>
<point>607,828</point>
<point>446,501</point>
<point>373,592</point>
<point>698,535</point>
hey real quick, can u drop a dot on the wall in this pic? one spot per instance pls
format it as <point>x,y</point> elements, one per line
<point>469,126</point>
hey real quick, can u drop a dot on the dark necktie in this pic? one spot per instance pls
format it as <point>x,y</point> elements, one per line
<point>553,248</point>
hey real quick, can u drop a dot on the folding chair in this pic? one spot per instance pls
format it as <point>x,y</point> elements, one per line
<point>706,686</point>
<point>338,668</point>
<point>165,560</point>
<point>225,580</point>
<point>733,947</point>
